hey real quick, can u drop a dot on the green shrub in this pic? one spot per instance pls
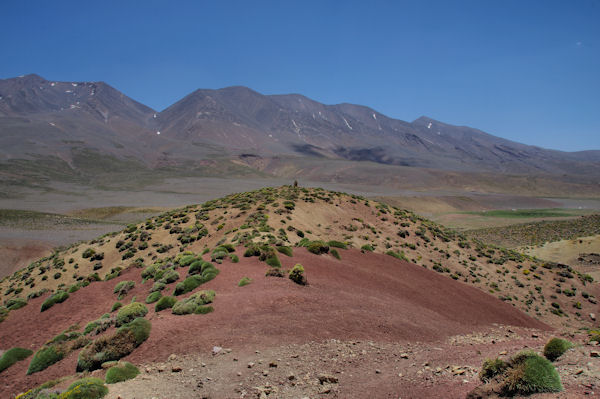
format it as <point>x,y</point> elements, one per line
<point>15,303</point>
<point>555,348</point>
<point>285,250</point>
<point>153,297</point>
<point>529,374</point>
<point>234,258</point>
<point>123,287</point>
<point>119,373</point>
<point>59,297</point>
<point>91,326</point>
<point>337,244</point>
<point>116,306</point>
<point>88,253</point>
<point>3,313</point>
<point>274,272</point>
<point>244,281</point>
<point>115,346</point>
<point>129,312</point>
<point>12,356</point>
<point>198,266</point>
<point>190,304</point>
<point>397,255</point>
<point>367,247</point>
<point>335,253</point>
<point>165,302</point>
<point>273,260</point>
<point>85,388</point>
<point>252,250</point>
<point>191,283</point>
<point>297,275</point>
<point>491,368</point>
<point>44,358</point>
<point>318,247</point>
<point>204,310</point>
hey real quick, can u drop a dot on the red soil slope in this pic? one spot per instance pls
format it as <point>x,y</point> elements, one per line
<point>363,296</point>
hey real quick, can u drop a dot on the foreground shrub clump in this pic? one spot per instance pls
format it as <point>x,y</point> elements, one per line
<point>123,372</point>
<point>166,302</point>
<point>59,297</point>
<point>86,388</point>
<point>153,297</point>
<point>555,348</point>
<point>12,356</point>
<point>191,283</point>
<point>130,312</point>
<point>297,275</point>
<point>244,281</point>
<point>115,346</point>
<point>45,358</point>
<point>194,303</point>
<point>524,374</point>
<point>15,303</point>
<point>123,287</point>
<point>492,368</point>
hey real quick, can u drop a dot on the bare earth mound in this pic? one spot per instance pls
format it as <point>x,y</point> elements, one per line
<point>363,296</point>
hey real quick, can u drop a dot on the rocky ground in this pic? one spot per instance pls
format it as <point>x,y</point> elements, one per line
<point>354,369</point>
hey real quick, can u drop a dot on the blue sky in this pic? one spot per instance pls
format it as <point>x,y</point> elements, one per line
<point>525,70</point>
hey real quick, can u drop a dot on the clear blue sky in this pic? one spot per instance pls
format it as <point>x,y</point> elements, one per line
<point>524,70</point>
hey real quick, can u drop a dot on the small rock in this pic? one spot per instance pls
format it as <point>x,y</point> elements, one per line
<point>235,359</point>
<point>577,372</point>
<point>216,350</point>
<point>239,374</point>
<point>377,371</point>
<point>291,377</point>
<point>595,354</point>
<point>172,357</point>
<point>265,373</point>
<point>176,369</point>
<point>250,365</point>
<point>404,355</point>
<point>534,336</point>
<point>593,316</point>
<point>203,364</point>
<point>273,364</point>
<point>503,353</point>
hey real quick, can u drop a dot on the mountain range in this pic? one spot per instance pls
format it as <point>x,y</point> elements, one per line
<point>63,121</point>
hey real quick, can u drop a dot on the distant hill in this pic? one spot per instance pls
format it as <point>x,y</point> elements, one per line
<point>62,124</point>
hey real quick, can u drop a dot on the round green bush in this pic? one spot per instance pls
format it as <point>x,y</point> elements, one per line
<point>153,297</point>
<point>297,275</point>
<point>166,302</point>
<point>115,346</point>
<point>555,348</point>
<point>129,312</point>
<point>192,303</point>
<point>531,373</point>
<point>12,356</point>
<point>59,297</point>
<point>244,281</point>
<point>123,287</point>
<point>15,303</point>
<point>85,388</point>
<point>116,306</point>
<point>44,358</point>
<point>123,372</point>
<point>491,368</point>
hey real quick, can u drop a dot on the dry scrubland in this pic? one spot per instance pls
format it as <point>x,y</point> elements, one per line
<point>191,253</point>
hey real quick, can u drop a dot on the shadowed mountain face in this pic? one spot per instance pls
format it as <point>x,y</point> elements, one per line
<point>43,118</point>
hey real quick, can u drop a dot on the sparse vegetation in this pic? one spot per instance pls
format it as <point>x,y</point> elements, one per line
<point>85,388</point>
<point>244,281</point>
<point>166,302</point>
<point>194,303</point>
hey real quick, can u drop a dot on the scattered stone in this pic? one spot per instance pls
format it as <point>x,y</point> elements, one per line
<point>239,374</point>
<point>291,377</point>
<point>377,371</point>
<point>595,354</point>
<point>216,350</point>
<point>265,373</point>
<point>250,365</point>
<point>503,353</point>
<point>534,336</point>
<point>273,364</point>
<point>172,357</point>
<point>176,369</point>
<point>593,316</point>
<point>577,372</point>
<point>404,355</point>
